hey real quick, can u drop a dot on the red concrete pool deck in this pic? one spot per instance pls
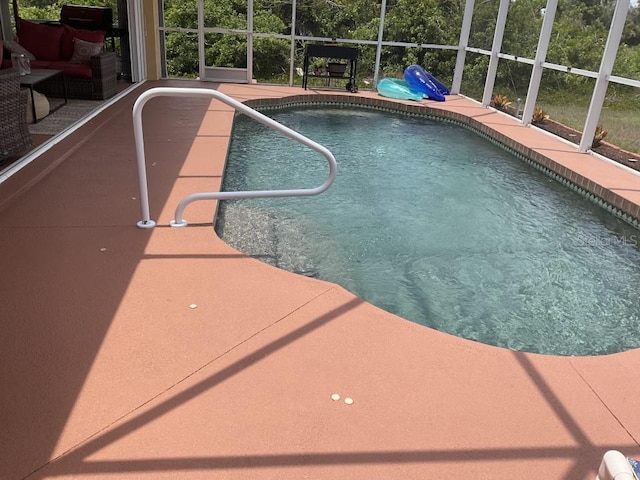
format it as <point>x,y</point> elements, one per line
<point>164,353</point>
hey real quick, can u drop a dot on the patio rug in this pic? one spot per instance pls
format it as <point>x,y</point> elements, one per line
<point>66,115</point>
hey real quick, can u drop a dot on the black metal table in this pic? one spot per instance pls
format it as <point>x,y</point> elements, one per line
<point>38,76</point>
<point>331,52</point>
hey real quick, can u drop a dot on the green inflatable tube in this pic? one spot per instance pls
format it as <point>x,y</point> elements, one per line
<point>398,89</point>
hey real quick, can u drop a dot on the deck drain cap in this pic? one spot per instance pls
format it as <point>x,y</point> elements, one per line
<point>348,401</point>
<point>335,397</point>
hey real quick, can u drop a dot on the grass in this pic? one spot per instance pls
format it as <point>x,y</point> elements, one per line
<point>623,125</point>
<point>624,129</point>
<point>619,115</point>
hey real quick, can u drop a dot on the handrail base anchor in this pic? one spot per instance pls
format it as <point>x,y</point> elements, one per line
<point>146,224</point>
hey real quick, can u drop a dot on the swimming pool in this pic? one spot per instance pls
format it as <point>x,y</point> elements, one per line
<point>431,222</point>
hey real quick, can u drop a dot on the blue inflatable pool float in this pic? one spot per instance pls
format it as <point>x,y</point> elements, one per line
<point>441,86</point>
<point>420,80</point>
<point>398,89</point>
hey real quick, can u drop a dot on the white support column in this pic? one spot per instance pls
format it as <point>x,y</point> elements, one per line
<point>201,56</point>
<point>5,18</point>
<point>606,67</point>
<point>292,54</point>
<point>541,56</point>
<point>249,41</point>
<point>137,33</point>
<point>376,70</point>
<point>462,46</point>
<point>495,50</point>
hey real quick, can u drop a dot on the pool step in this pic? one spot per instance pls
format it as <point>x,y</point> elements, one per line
<point>273,238</point>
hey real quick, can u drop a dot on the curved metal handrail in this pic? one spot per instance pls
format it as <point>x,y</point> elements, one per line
<point>178,221</point>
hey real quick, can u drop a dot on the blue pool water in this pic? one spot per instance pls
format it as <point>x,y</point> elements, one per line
<point>431,222</point>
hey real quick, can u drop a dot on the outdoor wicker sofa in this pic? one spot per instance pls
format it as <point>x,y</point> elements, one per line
<point>14,132</point>
<point>88,74</point>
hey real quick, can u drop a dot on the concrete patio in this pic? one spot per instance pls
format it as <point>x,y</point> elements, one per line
<point>164,353</point>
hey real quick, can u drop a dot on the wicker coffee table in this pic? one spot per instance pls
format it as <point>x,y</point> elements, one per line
<point>38,76</point>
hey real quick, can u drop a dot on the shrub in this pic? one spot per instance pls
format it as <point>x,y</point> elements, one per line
<point>599,136</point>
<point>539,116</point>
<point>500,102</point>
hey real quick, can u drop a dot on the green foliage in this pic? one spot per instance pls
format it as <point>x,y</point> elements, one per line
<point>522,29</point>
<point>579,35</point>
<point>631,33</point>
<point>475,71</point>
<point>484,22</point>
<point>270,55</point>
<point>50,10</point>
<point>429,21</point>
<point>37,12</point>
<point>578,39</point>
<point>180,14</point>
<point>628,61</point>
<point>182,54</point>
<point>335,18</point>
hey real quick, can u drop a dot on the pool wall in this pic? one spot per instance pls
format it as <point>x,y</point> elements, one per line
<point>606,198</point>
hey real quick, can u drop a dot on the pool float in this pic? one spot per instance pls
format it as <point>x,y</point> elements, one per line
<point>399,89</point>
<point>441,86</point>
<point>420,80</point>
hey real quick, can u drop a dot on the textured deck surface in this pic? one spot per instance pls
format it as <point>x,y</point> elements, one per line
<point>106,370</point>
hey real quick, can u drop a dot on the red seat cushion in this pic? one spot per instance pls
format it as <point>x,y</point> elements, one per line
<point>43,41</point>
<point>66,44</point>
<point>72,69</point>
<point>41,64</point>
<point>8,63</point>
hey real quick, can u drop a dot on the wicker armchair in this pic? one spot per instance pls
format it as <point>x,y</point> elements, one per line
<point>14,132</point>
<point>102,85</point>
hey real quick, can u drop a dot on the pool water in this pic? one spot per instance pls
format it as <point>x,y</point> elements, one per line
<point>431,222</point>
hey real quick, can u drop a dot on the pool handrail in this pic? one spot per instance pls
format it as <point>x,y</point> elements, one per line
<point>178,221</point>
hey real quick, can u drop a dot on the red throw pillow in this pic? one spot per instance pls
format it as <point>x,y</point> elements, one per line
<point>66,44</point>
<point>43,41</point>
